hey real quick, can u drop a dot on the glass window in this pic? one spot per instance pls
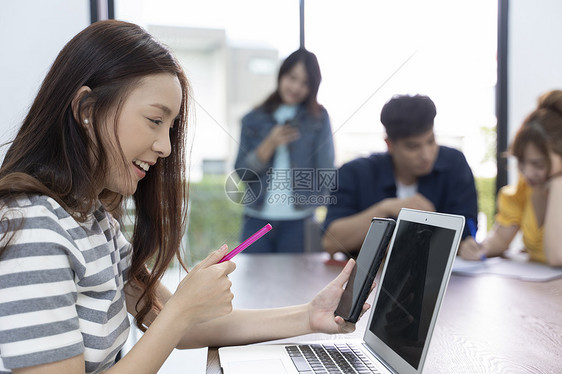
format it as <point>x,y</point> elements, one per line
<point>368,51</point>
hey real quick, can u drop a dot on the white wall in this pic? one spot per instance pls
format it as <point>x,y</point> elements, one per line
<point>534,58</point>
<point>32,32</point>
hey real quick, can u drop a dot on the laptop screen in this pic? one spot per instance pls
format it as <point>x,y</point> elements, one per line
<point>410,288</point>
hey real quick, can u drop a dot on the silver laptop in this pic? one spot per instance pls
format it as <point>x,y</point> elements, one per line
<point>407,300</point>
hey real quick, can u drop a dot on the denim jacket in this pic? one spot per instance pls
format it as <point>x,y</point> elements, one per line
<point>311,155</point>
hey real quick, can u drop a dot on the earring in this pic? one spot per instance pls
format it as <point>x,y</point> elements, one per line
<point>86,121</point>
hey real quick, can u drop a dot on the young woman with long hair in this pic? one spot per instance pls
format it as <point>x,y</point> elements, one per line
<point>109,122</point>
<point>286,155</point>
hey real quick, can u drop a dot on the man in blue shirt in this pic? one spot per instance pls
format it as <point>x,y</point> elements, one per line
<point>415,172</point>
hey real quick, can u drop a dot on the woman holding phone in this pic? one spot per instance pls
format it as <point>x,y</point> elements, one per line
<point>286,152</point>
<point>108,122</point>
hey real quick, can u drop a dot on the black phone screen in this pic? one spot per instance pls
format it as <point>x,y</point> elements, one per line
<point>370,257</point>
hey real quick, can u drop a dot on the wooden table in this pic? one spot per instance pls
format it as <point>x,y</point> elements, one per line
<point>486,324</point>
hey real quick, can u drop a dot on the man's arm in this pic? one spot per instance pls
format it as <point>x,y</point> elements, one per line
<point>347,234</point>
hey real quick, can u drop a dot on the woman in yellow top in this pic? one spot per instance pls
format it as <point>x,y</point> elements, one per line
<point>534,204</point>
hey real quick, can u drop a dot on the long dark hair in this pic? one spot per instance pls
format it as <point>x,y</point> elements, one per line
<point>52,152</point>
<point>314,78</point>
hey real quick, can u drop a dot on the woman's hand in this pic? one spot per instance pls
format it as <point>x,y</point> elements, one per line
<point>555,164</point>
<point>553,215</point>
<point>279,135</point>
<point>283,134</point>
<point>321,308</point>
<point>204,293</point>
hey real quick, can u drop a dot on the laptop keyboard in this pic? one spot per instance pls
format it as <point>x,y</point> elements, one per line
<point>330,358</point>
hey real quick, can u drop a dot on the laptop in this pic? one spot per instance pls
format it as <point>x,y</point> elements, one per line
<point>407,300</point>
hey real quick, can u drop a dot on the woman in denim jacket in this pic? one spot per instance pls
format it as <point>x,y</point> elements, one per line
<point>286,157</point>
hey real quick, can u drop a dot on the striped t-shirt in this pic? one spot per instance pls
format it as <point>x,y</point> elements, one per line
<point>61,286</point>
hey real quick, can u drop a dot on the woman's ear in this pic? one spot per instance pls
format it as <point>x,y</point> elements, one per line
<point>79,115</point>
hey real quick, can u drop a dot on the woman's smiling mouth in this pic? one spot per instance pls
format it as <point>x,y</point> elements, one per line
<point>141,168</point>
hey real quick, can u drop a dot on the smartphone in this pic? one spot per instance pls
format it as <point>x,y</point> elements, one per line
<point>363,274</point>
<point>292,123</point>
<point>246,243</point>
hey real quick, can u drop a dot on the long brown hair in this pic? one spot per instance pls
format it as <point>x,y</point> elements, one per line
<point>52,152</point>
<point>542,127</point>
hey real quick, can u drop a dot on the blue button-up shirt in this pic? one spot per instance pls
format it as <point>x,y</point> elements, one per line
<point>366,181</point>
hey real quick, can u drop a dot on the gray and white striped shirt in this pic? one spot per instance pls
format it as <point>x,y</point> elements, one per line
<point>61,286</point>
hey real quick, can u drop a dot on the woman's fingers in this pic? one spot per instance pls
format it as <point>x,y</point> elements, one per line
<point>343,276</point>
<point>213,258</point>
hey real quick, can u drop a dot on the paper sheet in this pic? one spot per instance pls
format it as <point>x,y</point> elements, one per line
<point>510,268</point>
<point>186,361</point>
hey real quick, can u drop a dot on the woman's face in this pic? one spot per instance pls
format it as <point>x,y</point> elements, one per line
<point>534,166</point>
<point>143,130</point>
<point>293,86</point>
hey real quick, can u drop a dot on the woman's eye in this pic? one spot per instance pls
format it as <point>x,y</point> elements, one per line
<point>155,121</point>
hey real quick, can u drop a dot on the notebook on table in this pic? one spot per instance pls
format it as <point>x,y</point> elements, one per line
<point>407,300</point>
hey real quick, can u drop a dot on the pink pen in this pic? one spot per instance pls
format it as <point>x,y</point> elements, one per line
<point>246,243</point>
